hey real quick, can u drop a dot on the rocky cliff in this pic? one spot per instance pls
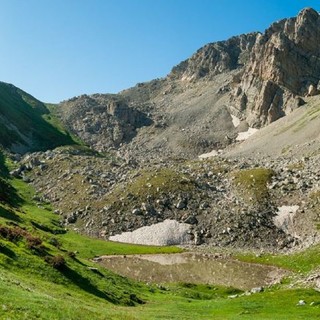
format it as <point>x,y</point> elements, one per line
<point>215,58</point>
<point>102,121</point>
<point>284,65</point>
<point>258,78</point>
<point>261,193</point>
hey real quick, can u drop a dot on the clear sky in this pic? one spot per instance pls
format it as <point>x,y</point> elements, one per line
<point>57,49</point>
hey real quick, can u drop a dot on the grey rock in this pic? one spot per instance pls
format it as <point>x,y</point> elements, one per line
<point>256,290</point>
<point>181,204</point>
<point>301,303</point>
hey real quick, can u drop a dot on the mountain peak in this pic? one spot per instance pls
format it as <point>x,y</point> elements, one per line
<point>215,58</point>
<point>284,64</point>
<point>308,13</point>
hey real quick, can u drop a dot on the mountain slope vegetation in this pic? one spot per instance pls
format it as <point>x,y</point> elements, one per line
<point>25,122</point>
<point>42,263</point>
<point>46,273</point>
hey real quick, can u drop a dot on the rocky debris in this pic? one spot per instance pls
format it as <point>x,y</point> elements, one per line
<point>247,293</point>
<point>102,196</point>
<point>102,121</point>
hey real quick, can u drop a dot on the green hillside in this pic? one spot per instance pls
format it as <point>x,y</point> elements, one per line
<point>46,272</point>
<point>26,123</point>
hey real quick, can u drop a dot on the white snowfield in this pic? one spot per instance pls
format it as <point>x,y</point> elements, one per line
<point>235,121</point>
<point>284,217</point>
<point>245,135</point>
<point>168,232</point>
<point>213,153</point>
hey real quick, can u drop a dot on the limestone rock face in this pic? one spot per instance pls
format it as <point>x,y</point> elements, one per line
<point>257,78</point>
<point>284,64</point>
<point>103,121</point>
<point>215,58</point>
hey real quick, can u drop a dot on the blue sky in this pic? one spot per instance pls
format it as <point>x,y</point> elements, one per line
<point>57,49</point>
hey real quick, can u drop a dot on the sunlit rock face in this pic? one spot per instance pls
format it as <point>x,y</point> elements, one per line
<point>284,64</point>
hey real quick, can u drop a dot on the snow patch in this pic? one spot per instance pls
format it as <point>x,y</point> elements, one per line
<point>213,153</point>
<point>235,121</point>
<point>284,217</point>
<point>245,135</point>
<point>168,232</point>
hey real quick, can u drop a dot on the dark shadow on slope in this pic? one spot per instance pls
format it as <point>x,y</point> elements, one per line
<point>121,298</point>
<point>23,112</point>
<point>9,215</point>
<point>86,285</point>
<point>4,172</point>
<point>51,229</point>
<point>8,194</point>
<point>78,261</point>
<point>6,251</point>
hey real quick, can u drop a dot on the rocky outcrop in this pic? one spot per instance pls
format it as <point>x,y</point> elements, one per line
<point>284,64</point>
<point>102,121</point>
<point>215,58</point>
<point>257,77</point>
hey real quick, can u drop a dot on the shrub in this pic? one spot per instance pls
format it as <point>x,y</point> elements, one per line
<point>12,234</point>
<point>16,233</point>
<point>71,254</point>
<point>57,262</point>
<point>54,242</point>
<point>33,242</point>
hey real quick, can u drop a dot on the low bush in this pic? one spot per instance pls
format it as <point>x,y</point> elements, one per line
<point>33,242</point>
<point>12,234</point>
<point>57,262</point>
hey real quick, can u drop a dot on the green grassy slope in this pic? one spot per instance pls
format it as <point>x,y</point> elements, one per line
<point>26,123</point>
<point>46,273</point>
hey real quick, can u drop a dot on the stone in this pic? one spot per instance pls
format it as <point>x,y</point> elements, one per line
<point>256,290</point>
<point>301,303</point>
<point>312,90</point>
<point>181,204</point>
<point>16,173</point>
<point>197,238</point>
<point>136,211</point>
<point>72,218</point>
<point>191,220</point>
<point>204,205</point>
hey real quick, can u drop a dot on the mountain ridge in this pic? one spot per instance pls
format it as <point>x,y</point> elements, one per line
<point>256,77</point>
<point>25,122</point>
<point>146,136</point>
